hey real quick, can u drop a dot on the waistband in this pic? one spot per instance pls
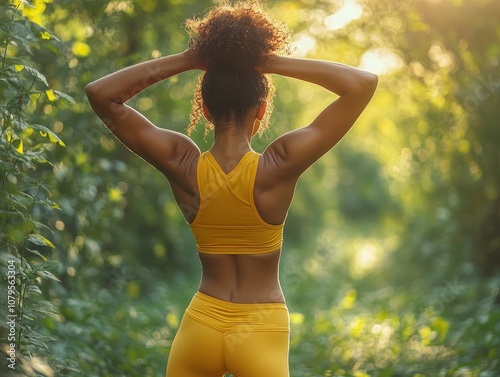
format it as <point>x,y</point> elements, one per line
<point>238,317</point>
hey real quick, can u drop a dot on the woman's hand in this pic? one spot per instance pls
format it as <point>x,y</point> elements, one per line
<point>193,60</point>
<point>265,63</point>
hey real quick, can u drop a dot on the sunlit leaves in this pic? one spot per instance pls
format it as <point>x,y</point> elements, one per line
<point>34,9</point>
<point>24,203</point>
<point>296,318</point>
<point>50,95</point>
<point>380,336</point>
<point>19,147</point>
<point>115,194</point>
<point>45,35</point>
<point>349,299</point>
<point>80,49</point>
<point>441,326</point>
<point>46,132</point>
<point>40,240</point>
<point>172,320</point>
<point>127,6</point>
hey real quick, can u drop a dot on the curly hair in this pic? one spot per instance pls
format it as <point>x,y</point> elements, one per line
<point>232,41</point>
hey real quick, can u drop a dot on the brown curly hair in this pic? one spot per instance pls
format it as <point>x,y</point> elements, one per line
<point>232,41</point>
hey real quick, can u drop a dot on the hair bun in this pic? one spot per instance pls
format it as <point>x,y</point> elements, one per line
<point>237,37</point>
<point>235,44</point>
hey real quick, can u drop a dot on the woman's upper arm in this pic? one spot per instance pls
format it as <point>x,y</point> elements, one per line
<point>297,150</point>
<point>160,147</point>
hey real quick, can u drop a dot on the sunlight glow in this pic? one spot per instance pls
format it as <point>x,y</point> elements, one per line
<point>441,56</point>
<point>380,61</point>
<point>302,44</point>
<point>366,258</point>
<point>350,11</point>
<point>119,6</point>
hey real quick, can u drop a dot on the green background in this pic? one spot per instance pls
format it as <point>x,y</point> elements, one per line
<point>392,245</point>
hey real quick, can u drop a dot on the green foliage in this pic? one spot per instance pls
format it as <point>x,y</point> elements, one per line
<point>353,330</point>
<point>109,332</point>
<point>25,200</point>
<point>391,250</point>
<point>455,147</point>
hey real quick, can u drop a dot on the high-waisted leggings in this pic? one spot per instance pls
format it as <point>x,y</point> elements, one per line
<point>217,337</point>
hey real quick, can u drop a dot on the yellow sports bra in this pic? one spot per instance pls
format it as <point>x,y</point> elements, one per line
<point>227,221</point>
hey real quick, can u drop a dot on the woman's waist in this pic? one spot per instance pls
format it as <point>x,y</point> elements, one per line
<point>242,278</point>
<point>238,317</point>
<point>242,288</point>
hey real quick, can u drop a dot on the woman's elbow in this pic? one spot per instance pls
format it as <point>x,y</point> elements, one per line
<point>91,90</point>
<point>97,94</point>
<point>370,80</point>
<point>368,83</point>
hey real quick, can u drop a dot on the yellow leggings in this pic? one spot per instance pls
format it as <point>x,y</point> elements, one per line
<point>217,337</point>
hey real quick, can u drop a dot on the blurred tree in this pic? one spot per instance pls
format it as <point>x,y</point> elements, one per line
<point>449,86</point>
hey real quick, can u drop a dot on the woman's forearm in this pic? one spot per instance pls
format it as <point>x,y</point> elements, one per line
<point>120,86</point>
<point>337,78</point>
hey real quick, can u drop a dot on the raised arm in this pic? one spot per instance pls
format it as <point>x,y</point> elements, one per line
<point>108,95</point>
<point>295,151</point>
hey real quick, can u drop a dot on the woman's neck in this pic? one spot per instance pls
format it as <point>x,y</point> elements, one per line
<point>229,144</point>
<point>232,140</point>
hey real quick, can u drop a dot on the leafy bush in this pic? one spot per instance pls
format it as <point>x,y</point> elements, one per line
<point>25,248</point>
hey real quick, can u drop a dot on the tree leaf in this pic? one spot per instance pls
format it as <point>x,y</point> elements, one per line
<point>55,139</point>
<point>37,74</point>
<point>50,203</point>
<point>65,97</point>
<point>34,289</point>
<point>44,33</point>
<point>38,224</point>
<point>44,131</point>
<point>40,240</point>
<point>50,95</point>
<point>19,147</point>
<point>36,252</point>
<point>47,275</point>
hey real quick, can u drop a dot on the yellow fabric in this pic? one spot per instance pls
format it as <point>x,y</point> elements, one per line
<point>216,337</point>
<point>228,221</point>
